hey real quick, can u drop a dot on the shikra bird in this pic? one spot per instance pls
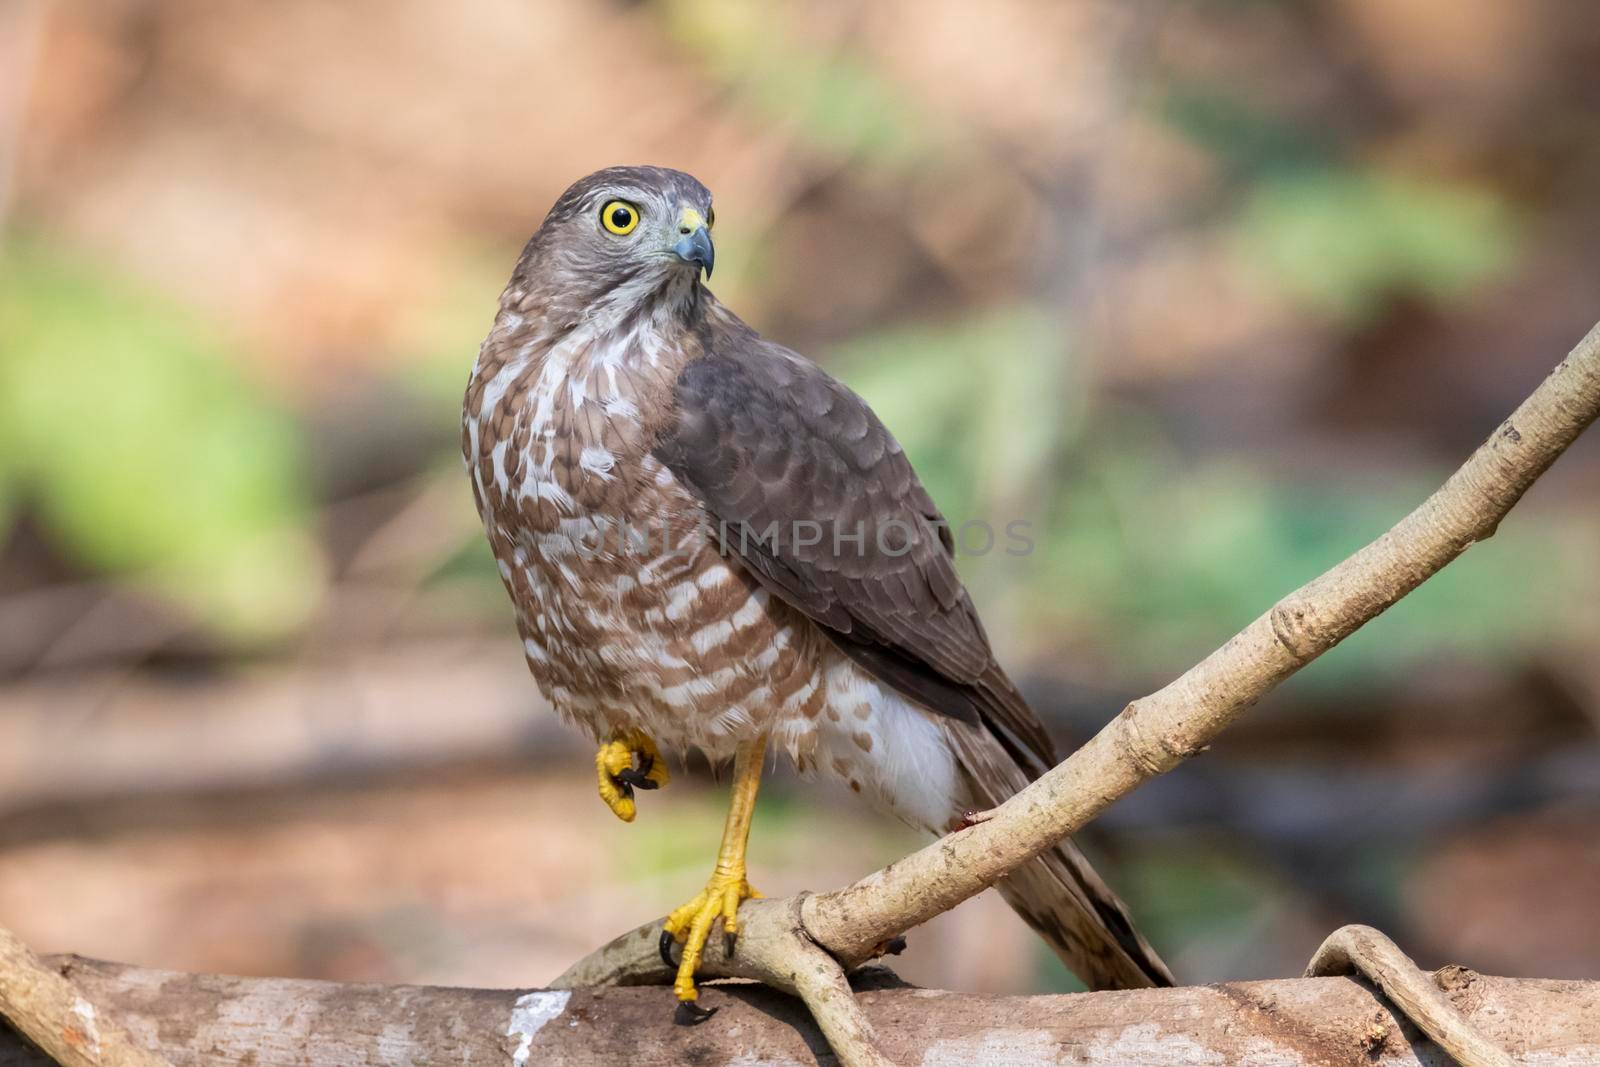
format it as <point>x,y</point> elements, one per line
<point>711,543</point>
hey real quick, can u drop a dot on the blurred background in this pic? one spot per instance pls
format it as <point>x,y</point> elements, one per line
<point>1209,292</point>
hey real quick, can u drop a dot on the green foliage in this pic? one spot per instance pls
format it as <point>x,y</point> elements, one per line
<point>833,99</point>
<point>144,451</point>
<point>1183,893</point>
<point>785,839</point>
<point>1158,555</point>
<point>1199,892</point>
<point>1250,143</point>
<point>8,489</point>
<point>993,380</point>
<point>1339,236</point>
<point>1174,556</point>
<point>1343,243</point>
<point>472,563</point>
<point>438,338</point>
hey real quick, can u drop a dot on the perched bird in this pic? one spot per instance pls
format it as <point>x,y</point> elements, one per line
<point>710,542</point>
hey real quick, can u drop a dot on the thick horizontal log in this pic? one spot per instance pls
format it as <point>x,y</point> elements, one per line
<point>1151,736</point>
<point>213,1021</point>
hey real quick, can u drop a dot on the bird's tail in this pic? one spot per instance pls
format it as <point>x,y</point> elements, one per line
<point>1058,893</point>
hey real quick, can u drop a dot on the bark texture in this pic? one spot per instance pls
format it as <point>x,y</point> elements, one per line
<point>799,944</point>
<point>1150,736</point>
<point>1156,733</point>
<point>1364,951</point>
<point>57,1017</point>
<point>212,1021</point>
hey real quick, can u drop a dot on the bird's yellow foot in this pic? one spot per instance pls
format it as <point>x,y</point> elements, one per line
<point>691,924</point>
<point>626,762</point>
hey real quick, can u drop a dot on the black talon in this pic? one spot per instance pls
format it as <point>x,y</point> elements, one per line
<point>630,777</point>
<point>892,947</point>
<point>729,943</point>
<point>638,776</point>
<point>691,1014</point>
<point>665,947</point>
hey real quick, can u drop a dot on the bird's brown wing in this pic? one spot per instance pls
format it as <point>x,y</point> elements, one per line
<point>768,441</point>
<point>763,437</point>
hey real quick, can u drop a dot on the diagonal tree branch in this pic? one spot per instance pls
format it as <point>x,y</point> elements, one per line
<point>1156,733</point>
<point>55,1015</point>
<point>802,944</point>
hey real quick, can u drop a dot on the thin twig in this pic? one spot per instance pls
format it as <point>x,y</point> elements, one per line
<point>1365,951</point>
<point>1156,733</point>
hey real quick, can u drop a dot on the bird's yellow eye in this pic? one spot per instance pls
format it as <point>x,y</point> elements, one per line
<point>619,217</point>
<point>711,218</point>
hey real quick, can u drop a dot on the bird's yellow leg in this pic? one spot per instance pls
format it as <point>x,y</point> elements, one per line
<point>627,761</point>
<point>727,887</point>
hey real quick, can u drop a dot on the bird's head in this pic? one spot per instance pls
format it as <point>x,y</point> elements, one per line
<point>622,237</point>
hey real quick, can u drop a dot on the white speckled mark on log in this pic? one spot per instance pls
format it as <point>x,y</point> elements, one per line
<point>219,1021</point>
<point>85,1011</point>
<point>529,1015</point>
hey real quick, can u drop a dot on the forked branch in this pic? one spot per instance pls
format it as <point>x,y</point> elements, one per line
<point>57,1017</point>
<point>1156,733</point>
<point>803,944</point>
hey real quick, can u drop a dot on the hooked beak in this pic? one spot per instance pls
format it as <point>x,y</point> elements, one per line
<point>694,243</point>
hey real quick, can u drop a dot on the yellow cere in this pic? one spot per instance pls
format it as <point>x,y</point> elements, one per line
<point>690,220</point>
<point>620,217</point>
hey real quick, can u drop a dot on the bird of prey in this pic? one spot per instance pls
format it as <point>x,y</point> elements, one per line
<point>711,543</point>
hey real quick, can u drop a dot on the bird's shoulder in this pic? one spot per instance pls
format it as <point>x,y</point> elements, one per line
<point>742,401</point>
<point>821,500</point>
<point>813,495</point>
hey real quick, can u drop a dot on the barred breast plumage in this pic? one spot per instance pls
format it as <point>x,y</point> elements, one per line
<point>628,613</point>
<point>619,425</point>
